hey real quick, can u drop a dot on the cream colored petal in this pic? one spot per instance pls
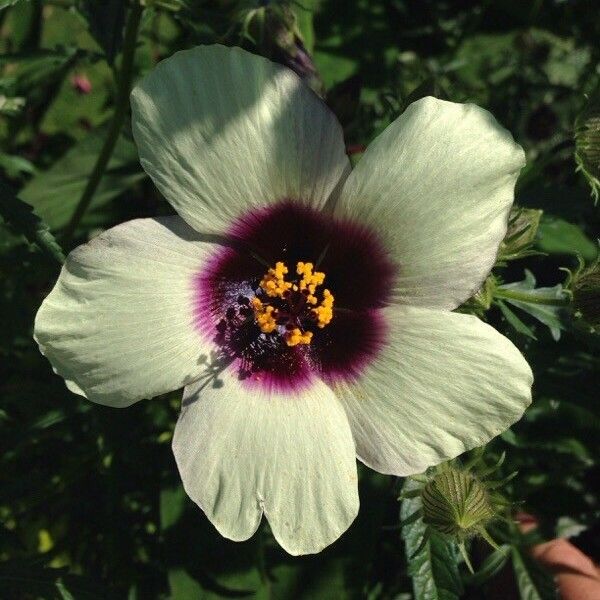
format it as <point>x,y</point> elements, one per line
<point>242,453</point>
<point>444,383</point>
<point>119,324</point>
<point>437,186</point>
<point>222,131</point>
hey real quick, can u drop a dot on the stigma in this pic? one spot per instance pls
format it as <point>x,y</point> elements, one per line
<point>291,305</point>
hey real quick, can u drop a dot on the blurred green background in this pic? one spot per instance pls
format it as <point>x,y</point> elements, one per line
<point>90,501</point>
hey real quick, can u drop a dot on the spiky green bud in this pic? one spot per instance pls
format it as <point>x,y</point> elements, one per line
<point>457,504</point>
<point>587,142</point>
<point>585,288</point>
<point>522,227</point>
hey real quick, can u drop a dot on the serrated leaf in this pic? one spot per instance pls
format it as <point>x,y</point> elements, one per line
<point>434,568</point>
<point>546,314</point>
<point>20,218</point>
<point>54,193</point>
<point>533,581</point>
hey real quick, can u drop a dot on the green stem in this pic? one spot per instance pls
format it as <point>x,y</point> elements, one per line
<point>529,298</point>
<point>114,130</point>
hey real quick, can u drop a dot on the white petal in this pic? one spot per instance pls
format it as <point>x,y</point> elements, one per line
<point>444,383</point>
<point>437,185</point>
<point>221,131</point>
<point>241,453</point>
<point>119,324</point>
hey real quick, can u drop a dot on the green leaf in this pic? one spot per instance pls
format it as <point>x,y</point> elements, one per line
<point>534,583</point>
<point>54,193</point>
<point>183,585</point>
<point>11,106</point>
<point>20,218</point>
<point>31,72</point>
<point>514,321</point>
<point>106,21</point>
<point>490,567</point>
<point>433,565</point>
<point>567,527</point>
<point>546,314</point>
<point>304,11</point>
<point>172,505</point>
<point>13,165</point>
<point>557,236</point>
<point>7,3</point>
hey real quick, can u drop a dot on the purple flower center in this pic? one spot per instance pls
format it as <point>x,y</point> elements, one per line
<point>232,297</point>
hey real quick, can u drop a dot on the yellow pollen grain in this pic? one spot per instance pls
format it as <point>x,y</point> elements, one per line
<point>310,280</point>
<point>264,316</point>
<point>274,285</point>
<point>324,312</point>
<point>296,337</point>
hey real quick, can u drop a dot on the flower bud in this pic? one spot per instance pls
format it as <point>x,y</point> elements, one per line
<point>274,29</point>
<point>457,504</point>
<point>586,295</point>
<point>587,142</point>
<point>522,227</point>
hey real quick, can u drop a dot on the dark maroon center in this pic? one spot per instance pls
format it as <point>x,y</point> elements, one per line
<point>358,272</point>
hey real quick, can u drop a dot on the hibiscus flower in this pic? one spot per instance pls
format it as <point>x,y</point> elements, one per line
<point>304,306</point>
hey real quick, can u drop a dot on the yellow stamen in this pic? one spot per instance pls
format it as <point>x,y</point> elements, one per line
<point>264,316</point>
<point>324,312</point>
<point>274,285</point>
<point>295,337</point>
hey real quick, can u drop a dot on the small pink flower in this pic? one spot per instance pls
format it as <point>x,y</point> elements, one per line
<point>81,83</point>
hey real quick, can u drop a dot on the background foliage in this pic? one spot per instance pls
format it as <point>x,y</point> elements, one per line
<point>90,502</point>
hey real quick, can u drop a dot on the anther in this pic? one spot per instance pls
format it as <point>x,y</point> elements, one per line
<point>291,304</point>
